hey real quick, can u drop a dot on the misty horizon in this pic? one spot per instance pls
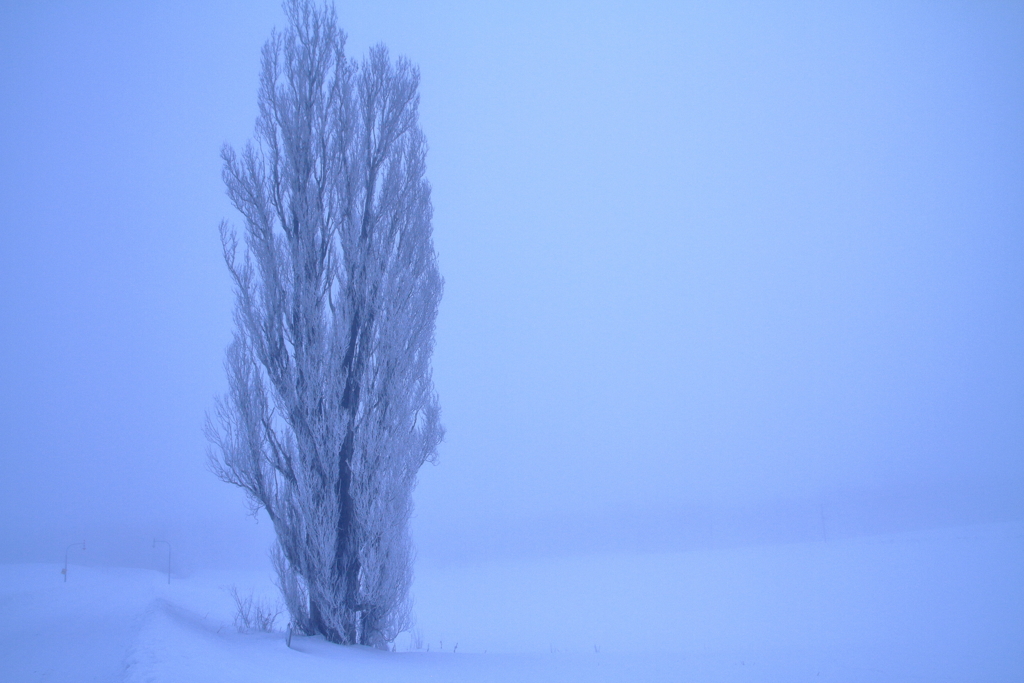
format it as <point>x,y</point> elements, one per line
<point>713,275</point>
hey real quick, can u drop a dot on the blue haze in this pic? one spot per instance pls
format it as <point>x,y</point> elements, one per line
<point>716,273</point>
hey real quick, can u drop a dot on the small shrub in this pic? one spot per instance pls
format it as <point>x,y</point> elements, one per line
<point>253,614</point>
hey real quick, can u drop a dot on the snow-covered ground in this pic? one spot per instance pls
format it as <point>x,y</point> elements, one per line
<point>940,605</point>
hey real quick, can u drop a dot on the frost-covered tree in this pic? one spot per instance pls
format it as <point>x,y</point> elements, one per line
<point>331,410</point>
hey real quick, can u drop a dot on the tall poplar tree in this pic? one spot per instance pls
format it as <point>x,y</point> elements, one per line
<point>331,409</point>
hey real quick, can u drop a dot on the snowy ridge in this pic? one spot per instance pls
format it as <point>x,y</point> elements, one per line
<point>178,644</point>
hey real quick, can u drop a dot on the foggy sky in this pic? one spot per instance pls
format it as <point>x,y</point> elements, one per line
<point>748,262</point>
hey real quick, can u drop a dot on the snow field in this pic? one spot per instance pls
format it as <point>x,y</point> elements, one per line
<point>941,605</point>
